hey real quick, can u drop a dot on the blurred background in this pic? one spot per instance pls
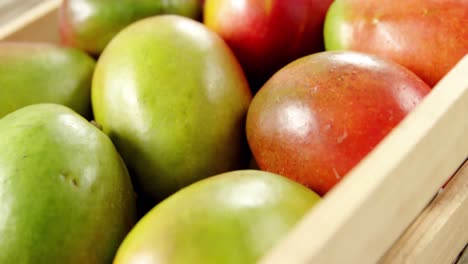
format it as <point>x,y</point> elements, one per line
<point>12,8</point>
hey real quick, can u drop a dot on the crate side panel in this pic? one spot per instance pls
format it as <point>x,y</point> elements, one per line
<point>360,219</point>
<point>39,24</point>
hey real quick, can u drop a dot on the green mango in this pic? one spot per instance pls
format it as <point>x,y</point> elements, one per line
<point>32,73</point>
<point>91,24</point>
<point>173,98</point>
<point>235,217</point>
<point>65,194</point>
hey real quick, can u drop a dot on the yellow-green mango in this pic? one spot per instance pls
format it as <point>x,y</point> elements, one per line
<point>65,194</point>
<point>173,98</point>
<point>91,24</point>
<point>231,218</point>
<point>32,73</point>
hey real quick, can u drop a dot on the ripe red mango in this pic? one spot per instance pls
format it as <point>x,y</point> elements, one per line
<point>426,36</point>
<point>316,118</point>
<point>266,35</point>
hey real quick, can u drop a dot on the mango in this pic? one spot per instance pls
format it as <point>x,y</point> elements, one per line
<point>173,99</point>
<point>91,24</point>
<point>32,73</point>
<point>235,217</point>
<point>65,194</point>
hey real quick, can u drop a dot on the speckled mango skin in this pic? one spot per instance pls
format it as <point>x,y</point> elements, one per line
<point>66,196</point>
<point>91,24</point>
<point>235,217</point>
<point>173,98</point>
<point>319,116</point>
<point>32,73</point>
<point>426,36</point>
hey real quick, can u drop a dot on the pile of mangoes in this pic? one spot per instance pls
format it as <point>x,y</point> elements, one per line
<point>189,131</point>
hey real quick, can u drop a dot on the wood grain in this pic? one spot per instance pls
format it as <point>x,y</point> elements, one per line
<point>36,24</point>
<point>10,9</point>
<point>359,220</point>
<point>440,233</point>
<point>463,259</point>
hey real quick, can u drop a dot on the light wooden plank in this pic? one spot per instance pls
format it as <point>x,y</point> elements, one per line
<point>36,24</point>
<point>440,233</point>
<point>359,220</point>
<point>463,257</point>
<point>10,9</point>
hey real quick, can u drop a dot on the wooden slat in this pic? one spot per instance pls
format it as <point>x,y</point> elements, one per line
<point>463,259</point>
<point>37,24</point>
<point>440,233</point>
<point>359,220</point>
<point>10,9</point>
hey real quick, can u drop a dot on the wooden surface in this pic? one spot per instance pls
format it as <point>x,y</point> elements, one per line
<point>37,23</point>
<point>463,257</point>
<point>359,220</point>
<point>441,232</point>
<point>10,9</point>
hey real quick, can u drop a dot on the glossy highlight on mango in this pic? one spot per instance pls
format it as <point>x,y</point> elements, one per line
<point>426,36</point>
<point>266,35</point>
<point>234,217</point>
<point>316,118</point>
<point>173,98</point>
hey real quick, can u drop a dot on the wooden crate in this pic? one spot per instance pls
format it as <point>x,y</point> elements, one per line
<point>384,210</point>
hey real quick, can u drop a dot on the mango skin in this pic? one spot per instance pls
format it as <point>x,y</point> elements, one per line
<point>428,37</point>
<point>235,217</point>
<point>319,116</point>
<point>266,35</point>
<point>66,196</point>
<point>32,73</point>
<point>90,24</point>
<point>173,99</point>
